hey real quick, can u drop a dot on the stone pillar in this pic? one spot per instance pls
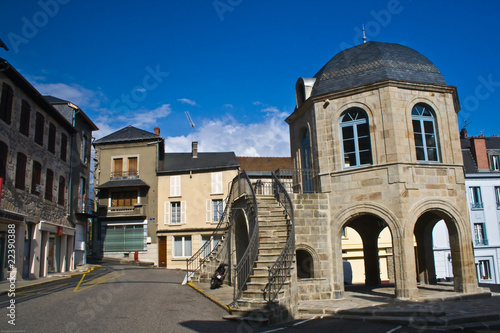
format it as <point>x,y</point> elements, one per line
<point>338,270</point>
<point>64,254</point>
<point>371,259</point>
<point>19,249</point>
<point>405,277</point>
<point>70,253</point>
<point>44,249</point>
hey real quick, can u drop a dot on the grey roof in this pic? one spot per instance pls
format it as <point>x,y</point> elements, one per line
<point>184,162</point>
<point>129,133</point>
<point>55,100</point>
<point>372,62</point>
<point>123,183</point>
<point>62,106</point>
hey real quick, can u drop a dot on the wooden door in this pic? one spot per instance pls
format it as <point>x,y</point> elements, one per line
<point>162,251</point>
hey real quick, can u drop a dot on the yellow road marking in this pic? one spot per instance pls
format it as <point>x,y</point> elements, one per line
<point>99,281</point>
<point>78,285</point>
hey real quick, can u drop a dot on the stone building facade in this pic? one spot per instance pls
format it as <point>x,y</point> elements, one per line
<point>35,170</point>
<point>378,123</point>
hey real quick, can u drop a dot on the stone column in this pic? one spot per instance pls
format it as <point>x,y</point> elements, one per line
<point>405,277</point>
<point>371,259</point>
<point>44,249</point>
<point>63,252</point>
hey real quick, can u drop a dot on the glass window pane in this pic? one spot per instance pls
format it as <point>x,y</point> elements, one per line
<point>364,143</point>
<point>416,126</point>
<point>429,127</point>
<point>420,154</point>
<point>418,140</point>
<point>177,246</point>
<point>432,154</point>
<point>347,132</point>
<point>430,140</point>
<point>187,246</point>
<point>365,157</point>
<point>363,130</point>
<point>348,146</point>
<point>349,160</point>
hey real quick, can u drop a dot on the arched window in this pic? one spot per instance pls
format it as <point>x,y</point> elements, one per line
<point>424,131</point>
<point>305,265</point>
<point>355,133</point>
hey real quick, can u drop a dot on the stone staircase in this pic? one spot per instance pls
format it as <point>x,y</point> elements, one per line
<point>253,306</point>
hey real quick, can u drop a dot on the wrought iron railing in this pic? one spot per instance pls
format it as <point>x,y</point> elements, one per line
<point>240,188</point>
<point>125,174</point>
<point>280,271</point>
<point>481,242</point>
<point>244,268</point>
<point>206,251</point>
<point>299,180</point>
<point>477,205</point>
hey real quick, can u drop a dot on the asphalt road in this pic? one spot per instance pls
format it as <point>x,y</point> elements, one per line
<point>123,298</point>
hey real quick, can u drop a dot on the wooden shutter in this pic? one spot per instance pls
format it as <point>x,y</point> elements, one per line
<point>209,210</point>
<point>132,166</point>
<point>183,212</point>
<point>175,186</point>
<point>166,214</point>
<point>217,182</point>
<point>117,167</point>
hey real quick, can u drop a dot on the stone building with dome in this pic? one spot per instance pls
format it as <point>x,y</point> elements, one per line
<point>378,124</point>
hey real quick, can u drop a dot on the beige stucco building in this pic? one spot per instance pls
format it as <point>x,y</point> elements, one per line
<point>192,188</point>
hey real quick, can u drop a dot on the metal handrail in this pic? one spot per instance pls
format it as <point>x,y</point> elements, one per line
<point>244,268</point>
<point>299,180</point>
<point>279,272</point>
<point>197,260</point>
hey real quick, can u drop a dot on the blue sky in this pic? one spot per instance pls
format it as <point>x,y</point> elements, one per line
<point>233,64</point>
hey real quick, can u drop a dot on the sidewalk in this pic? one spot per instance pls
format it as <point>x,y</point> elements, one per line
<point>26,284</point>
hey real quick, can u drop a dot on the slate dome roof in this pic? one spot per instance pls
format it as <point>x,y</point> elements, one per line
<point>372,62</point>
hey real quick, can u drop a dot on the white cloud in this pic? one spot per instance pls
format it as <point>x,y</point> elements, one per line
<point>187,101</point>
<point>267,138</point>
<point>83,97</point>
<point>142,118</point>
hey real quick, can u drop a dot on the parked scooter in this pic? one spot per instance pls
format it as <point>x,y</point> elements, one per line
<point>218,276</point>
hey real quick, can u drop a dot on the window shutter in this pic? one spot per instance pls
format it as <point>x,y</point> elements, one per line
<point>183,211</point>
<point>209,210</point>
<point>217,182</point>
<point>167,213</point>
<point>175,185</point>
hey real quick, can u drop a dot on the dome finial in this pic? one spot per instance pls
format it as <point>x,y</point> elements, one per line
<point>364,35</point>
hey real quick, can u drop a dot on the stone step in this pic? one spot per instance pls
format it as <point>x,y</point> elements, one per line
<point>257,317</point>
<point>271,250</point>
<point>249,303</point>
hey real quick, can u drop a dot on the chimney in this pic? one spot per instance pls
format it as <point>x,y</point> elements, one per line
<point>194,153</point>
<point>478,147</point>
<point>463,133</point>
<point>157,131</point>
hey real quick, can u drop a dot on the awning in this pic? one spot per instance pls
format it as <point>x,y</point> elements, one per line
<point>123,183</point>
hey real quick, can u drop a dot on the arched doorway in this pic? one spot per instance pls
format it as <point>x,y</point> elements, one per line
<point>425,261</point>
<point>241,235</point>
<point>363,249</point>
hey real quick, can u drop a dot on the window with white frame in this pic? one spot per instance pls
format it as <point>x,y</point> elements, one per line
<point>214,241</point>
<point>175,212</point>
<point>182,246</point>
<point>475,197</point>
<point>175,186</point>
<point>483,268</point>
<point>495,162</point>
<point>480,234</point>
<point>216,182</point>
<point>355,136</point>
<point>215,209</point>
<point>425,134</point>
<point>497,196</point>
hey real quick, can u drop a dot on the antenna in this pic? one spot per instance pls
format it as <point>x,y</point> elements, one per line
<point>190,124</point>
<point>364,35</point>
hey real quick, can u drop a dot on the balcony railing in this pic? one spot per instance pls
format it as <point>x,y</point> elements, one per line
<point>299,180</point>
<point>125,174</point>
<point>86,207</point>
<point>135,210</point>
<point>480,242</point>
<point>477,205</point>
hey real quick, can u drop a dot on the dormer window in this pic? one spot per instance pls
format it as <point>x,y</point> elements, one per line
<point>495,161</point>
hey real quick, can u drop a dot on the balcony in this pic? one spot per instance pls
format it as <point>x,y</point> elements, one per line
<point>476,205</point>
<point>480,242</point>
<point>131,174</point>
<point>86,207</point>
<point>136,210</point>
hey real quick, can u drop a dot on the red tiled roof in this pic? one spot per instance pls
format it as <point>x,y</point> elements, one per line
<point>264,163</point>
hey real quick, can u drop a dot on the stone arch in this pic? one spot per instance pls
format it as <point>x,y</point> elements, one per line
<point>241,233</point>
<point>426,214</point>
<point>310,264</point>
<point>368,219</point>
